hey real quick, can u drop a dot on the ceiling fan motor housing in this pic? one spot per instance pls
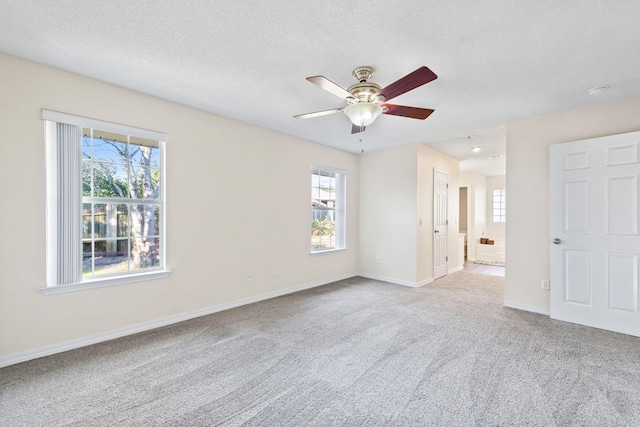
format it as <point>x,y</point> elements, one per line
<point>364,90</point>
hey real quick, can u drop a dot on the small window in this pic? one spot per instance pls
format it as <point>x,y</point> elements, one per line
<point>327,209</point>
<point>498,205</point>
<point>105,202</point>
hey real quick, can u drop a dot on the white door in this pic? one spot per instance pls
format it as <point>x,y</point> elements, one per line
<point>594,224</point>
<point>440,188</point>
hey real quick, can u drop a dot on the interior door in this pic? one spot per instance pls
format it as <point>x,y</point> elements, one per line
<point>440,222</point>
<point>595,246</point>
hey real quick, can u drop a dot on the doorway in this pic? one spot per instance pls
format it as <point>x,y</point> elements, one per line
<point>463,222</point>
<point>440,222</point>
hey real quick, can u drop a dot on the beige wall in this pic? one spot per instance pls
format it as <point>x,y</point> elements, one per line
<point>428,160</point>
<point>388,213</point>
<point>527,227</point>
<point>396,213</point>
<point>238,200</point>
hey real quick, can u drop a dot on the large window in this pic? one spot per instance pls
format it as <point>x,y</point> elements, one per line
<point>105,190</point>
<point>327,209</point>
<point>498,205</point>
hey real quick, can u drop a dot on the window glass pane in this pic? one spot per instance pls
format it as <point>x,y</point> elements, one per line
<point>107,259</point>
<point>144,151</point>
<point>144,220</point>
<point>86,220</point>
<point>145,253</point>
<point>87,258</point>
<point>109,180</point>
<point>122,220</point>
<point>86,143</point>
<point>145,183</point>
<point>325,182</point>
<point>109,147</point>
<point>86,178</point>
<point>322,230</point>
<point>99,220</point>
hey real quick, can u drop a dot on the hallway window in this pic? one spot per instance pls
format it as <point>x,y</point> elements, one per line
<point>499,207</point>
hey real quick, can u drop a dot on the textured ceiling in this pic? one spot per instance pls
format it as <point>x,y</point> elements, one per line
<point>496,60</point>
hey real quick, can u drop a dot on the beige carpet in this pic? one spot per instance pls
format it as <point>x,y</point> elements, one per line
<point>354,353</point>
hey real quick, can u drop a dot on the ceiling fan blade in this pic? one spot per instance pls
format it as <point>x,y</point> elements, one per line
<point>421,76</point>
<point>318,113</point>
<point>330,86</point>
<point>357,129</point>
<point>411,112</point>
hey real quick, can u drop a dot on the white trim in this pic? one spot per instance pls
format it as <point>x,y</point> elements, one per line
<point>525,307</point>
<point>328,169</point>
<point>56,116</point>
<point>142,327</point>
<point>103,282</point>
<point>397,281</point>
<point>327,251</point>
<point>453,270</point>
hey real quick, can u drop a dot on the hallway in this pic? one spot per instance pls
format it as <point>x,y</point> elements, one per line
<point>488,269</point>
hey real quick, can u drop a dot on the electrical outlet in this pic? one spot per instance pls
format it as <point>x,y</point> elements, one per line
<point>248,275</point>
<point>274,272</point>
<point>377,260</point>
<point>545,285</point>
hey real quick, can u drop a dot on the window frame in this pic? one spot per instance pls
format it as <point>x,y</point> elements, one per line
<point>500,207</point>
<point>339,208</point>
<point>51,120</point>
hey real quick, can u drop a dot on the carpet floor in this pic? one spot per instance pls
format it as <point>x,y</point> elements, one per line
<point>357,352</point>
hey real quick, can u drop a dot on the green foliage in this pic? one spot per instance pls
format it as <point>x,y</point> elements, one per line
<point>105,181</point>
<point>323,227</point>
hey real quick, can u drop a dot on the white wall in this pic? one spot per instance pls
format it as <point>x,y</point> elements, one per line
<point>396,213</point>
<point>477,209</point>
<point>494,230</point>
<point>238,200</point>
<point>527,227</point>
<point>388,209</point>
<point>428,159</point>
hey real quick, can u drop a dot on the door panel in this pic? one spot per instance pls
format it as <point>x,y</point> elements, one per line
<point>576,206</point>
<point>594,225</point>
<point>577,277</point>
<point>623,281</point>
<point>622,205</point>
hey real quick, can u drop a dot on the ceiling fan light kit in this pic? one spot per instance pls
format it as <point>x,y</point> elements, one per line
<point>366,99</point>
<point>363,113</point>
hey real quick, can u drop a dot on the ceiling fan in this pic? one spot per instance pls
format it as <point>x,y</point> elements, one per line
<point>366,100</point>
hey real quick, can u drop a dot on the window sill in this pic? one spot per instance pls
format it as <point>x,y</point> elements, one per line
<point>327,251</point>
<point>104,282</point>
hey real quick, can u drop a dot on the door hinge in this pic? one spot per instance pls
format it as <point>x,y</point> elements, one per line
<point>446,222</point>
<point>447,185</point>
<point>446,258</point>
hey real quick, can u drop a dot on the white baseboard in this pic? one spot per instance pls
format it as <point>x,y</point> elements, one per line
<point>524,307</point>
<point>12,359</point>
<point>453,270</point>
<point>397,281</point>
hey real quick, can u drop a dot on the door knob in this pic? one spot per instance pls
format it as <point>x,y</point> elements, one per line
<point>556,241</point>
<point>436,231</point>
